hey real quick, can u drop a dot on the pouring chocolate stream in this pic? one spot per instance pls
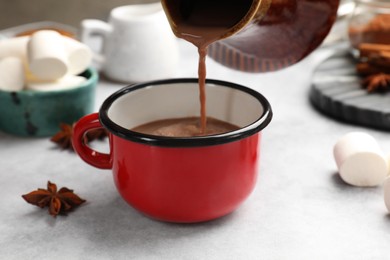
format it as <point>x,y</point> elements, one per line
<point>250,35</point>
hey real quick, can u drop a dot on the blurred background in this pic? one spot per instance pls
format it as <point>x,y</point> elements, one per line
<point>71,12</point>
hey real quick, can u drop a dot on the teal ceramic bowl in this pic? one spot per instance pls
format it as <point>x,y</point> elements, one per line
<point>38,114</point>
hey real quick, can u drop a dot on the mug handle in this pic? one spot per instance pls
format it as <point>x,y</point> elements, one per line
<point>92,157</point>
<point>94,27</point>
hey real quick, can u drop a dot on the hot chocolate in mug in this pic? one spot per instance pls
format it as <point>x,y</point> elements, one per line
<point>179,179</point>
<point>137,43</point>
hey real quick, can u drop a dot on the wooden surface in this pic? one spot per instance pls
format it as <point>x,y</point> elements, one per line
<point>337,91</point>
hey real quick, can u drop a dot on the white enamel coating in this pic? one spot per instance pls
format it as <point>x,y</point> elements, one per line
<point>182,100</point>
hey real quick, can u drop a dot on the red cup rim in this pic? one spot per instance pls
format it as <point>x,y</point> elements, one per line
<point>208,140</point>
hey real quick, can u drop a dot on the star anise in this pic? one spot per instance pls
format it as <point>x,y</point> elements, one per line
<point>58,202</point>
<point>64,137</point>
<point>380,81</point>
<point>96,134</point>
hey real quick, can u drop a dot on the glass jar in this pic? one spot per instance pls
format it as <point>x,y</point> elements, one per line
<point>370,23</point>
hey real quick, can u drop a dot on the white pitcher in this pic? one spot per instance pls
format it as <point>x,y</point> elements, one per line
<point>137,43</point>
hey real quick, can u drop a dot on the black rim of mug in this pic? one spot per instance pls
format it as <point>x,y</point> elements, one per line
<point>207,140</point>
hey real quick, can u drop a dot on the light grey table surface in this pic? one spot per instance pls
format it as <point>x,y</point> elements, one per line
<point>300,209</point>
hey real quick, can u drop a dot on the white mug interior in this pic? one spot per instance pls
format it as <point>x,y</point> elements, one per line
<point>169,100</point>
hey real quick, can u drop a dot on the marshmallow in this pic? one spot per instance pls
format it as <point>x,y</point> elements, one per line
<point>386,189</point>
<point>11,74</point>
<point>14,47</point>
<point>360,160</point>
<point>31,78</point>
<point>47,55</point>
<point>66,82</point>
<point>79,55</point>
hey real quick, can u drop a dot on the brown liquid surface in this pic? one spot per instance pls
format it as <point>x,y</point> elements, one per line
<point>184,127</point>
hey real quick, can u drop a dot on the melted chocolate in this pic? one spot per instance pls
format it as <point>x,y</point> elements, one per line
<point>184,127</point>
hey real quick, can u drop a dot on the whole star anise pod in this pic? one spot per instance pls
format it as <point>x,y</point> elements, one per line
<point>96,134</point>
<point>58,202</point>
<point>380,81</point>
<point>64,137</point>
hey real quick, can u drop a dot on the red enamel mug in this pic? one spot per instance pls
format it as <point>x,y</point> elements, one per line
<point>178,179</point>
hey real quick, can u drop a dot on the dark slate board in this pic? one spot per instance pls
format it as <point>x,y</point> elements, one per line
<point>337,92</point>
